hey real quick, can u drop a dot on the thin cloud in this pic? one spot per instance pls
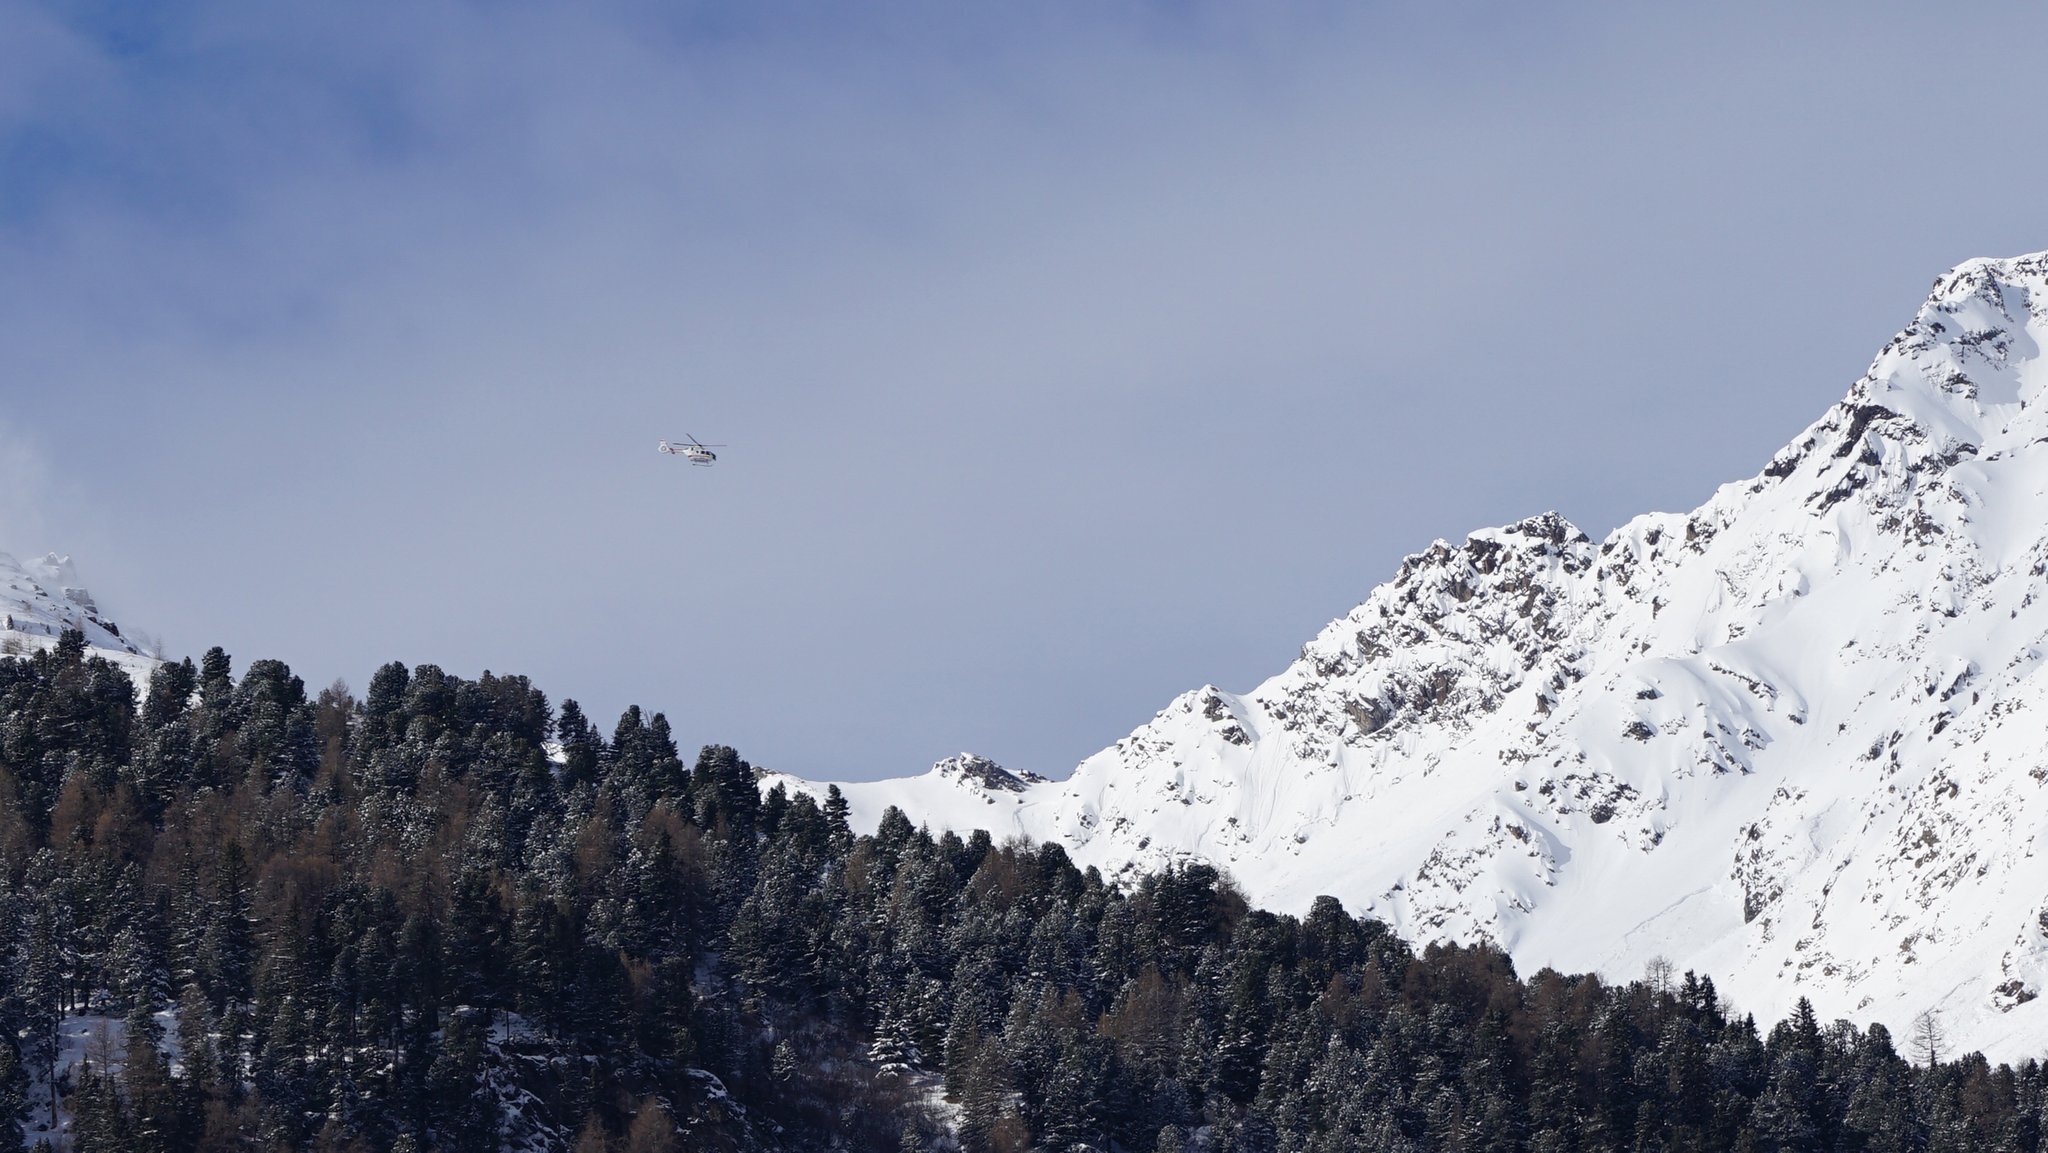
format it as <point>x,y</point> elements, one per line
<point>24,481</point>
<point>1070,358</point>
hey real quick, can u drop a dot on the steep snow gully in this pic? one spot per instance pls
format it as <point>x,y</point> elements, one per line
<point>1793,738</point>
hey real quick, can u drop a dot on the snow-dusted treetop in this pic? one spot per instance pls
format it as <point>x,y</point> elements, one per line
<point>1792,738</point>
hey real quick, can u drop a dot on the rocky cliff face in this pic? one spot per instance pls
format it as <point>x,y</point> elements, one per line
<point>41,598</point>
<point>1792,738</point>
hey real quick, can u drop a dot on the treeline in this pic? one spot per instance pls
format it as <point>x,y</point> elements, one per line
<point>400,923</point>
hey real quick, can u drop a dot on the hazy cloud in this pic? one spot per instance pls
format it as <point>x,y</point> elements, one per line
<point>23,483</point>
<point>1070,355</point>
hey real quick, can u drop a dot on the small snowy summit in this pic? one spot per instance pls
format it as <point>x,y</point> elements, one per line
<point>41,598</point>
<point>1791,739</point>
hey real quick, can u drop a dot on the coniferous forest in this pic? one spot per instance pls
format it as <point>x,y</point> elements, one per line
<point>239,916</point>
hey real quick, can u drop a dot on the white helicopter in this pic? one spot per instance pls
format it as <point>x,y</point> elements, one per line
<point>690,449</point>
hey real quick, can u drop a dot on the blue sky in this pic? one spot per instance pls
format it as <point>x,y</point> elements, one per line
<point>1070,355</point>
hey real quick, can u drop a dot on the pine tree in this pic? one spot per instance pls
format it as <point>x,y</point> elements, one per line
<point>1073,1100</point>
<point>137,970</point>
<point>783,1065</point>
<point>13,1096</point>
<point>98,1123</point>
<point>892,1053</point>
<point>206,1077</point>
<point>1783,1116</point>
<point>666,777</point>
<point>213,719</point>
<point>157,1107</point>
<point>982,1100</point>
<point>581,748</point>
<point>631,754</point>
<point>464,1118</point>
<point>166,757</point>
<point>476,945</point>
<point>545,947</point>
<point>227,947</point>
<point>837,813</point>
<point>40,995</point>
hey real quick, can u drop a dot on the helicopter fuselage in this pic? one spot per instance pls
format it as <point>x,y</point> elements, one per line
<point>694,453</point>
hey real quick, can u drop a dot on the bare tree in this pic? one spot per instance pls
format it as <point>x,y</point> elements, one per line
<point>1658,972</point>
<point>1928,1038</point>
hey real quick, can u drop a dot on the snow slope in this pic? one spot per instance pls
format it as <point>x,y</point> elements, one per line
<point>1792,739</point>
<point>41,598</point>
<point>99,1038</point>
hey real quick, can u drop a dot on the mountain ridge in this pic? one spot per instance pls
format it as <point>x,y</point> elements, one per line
<point>42,597</point>
<point>1783,738</point>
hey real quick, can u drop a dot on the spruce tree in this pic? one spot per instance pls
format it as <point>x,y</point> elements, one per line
<point>464,1118</point>
<point>581,748</point>
<point>837,812</point>
<point>13,1095</point>
<point>158,1110</point>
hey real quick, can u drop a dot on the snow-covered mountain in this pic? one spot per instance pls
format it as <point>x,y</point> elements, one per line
<point>41,598</point>
<point>1796,738</point>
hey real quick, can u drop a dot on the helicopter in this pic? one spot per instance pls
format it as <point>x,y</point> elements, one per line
<point>690,449</point>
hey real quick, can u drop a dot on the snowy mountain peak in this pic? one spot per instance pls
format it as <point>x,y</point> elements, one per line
<point>42,597</point>
<point>1962,380</point>
<point>1789,738</point>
